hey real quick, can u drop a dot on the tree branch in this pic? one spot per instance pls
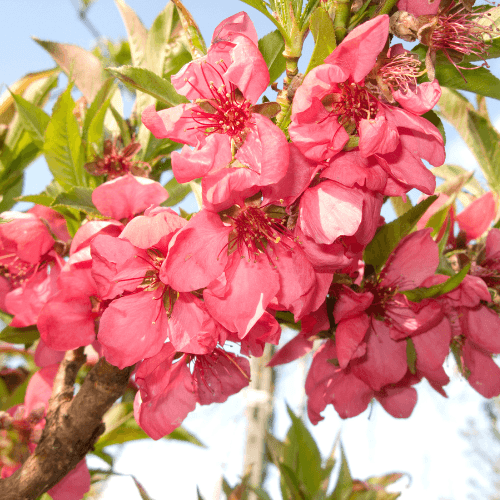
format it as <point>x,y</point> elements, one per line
<point>72,426</point>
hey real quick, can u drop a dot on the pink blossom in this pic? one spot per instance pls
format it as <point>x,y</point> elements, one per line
<point>327,383</point>
<point>29,265</point>
<point>248,261</point>
<point>170,386</point>
<point>224,127</point>
<point>333,103</point>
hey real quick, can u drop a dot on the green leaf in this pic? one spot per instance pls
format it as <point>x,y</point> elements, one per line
<point>17,397</point>
<point>11,194</point>
<point>411,356</point>
<point>260,5</point>
<point>122,125</point>
<point>136,32</point>
<point>479,81</point>
<point>452,172</point>
<point>324,37</point>
<point>159,38</point>
<point>63,145</point>
<point>95,133</point>
<point>290,487</point>
<point>193,34</point>
<point>421,293</point>
<point>14,335</point>
<point>198,494</point>
<point>150,83</point>
<point>141,489</point>
<point>84,67</point>
<point>176,192</point>
<point>389,235</point>
<point>104,94</point>
<point>271,47</point>
<point>400,206</point>
<point>477,132</point>
<point>79,198</point>
<point>302,455</point>
<point>104,456</point>
<point>343,489</point>
<point>33,118</point>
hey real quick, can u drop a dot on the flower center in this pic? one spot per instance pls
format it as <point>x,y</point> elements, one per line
<point>18,271</point>
<point>255,233</point>
<point>400,72</point>
<point>225,111</point>
<point>382,297</point>
<point>457,30</point>
<point>351,103</point>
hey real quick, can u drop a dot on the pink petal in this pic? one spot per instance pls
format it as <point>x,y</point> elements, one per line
<point>484,373</point>
<point>163,414</point>
<point>132,327</point>
<point>74,485</point>
<point>174,123</point>
<point>292,350</point>
<point>348,336</point>
<point>191,328</point>
<point>385,360</point>
<point>239,23</point>
<point>477,217</point>
<point>239,307</point>
<point>398,401</point>
<point>39,388</point>
<point>147,231</point>
<point>210,155</point>
<point>377,135</point>
<point>482,326</point>
<point>264,136</point>
<point>330,210</point>
<point>414,259</point>
<point>220,375</point>
<point>423,99</point>
<point>350,304</point>
<point>419,7</point>
<point>197,253</point>
<point>126,196</point>
<point>358,51</point>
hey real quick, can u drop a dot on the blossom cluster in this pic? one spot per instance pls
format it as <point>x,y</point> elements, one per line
<point>283,227</point>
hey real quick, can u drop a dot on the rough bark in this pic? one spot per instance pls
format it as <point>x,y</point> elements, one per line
<point>73,424</point>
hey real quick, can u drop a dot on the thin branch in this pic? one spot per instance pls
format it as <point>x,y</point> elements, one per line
<point>72,427</point>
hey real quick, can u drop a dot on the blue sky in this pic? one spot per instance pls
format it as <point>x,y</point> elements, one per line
<point>428,445</point>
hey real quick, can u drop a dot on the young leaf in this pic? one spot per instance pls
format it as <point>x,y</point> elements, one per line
<point>95,132</point>
<point>122,125</point>
<point>389,235</point>
<point>33,118</point>
<point>479,80</point>
<point>19,335</point>
<point>324,37</point>
<point>302,455</point>
<point>160,36</point>
<point>84,67</point>
<point>136,32</point>
<point>63,145</point>
<point>343,489</point>
<point>150,83</point>
<point>411,356</point>
<point>271,47</point>
<point>79,198</point>
<point>107,90</point>
<point>421,293</point>
<point>194,37</point>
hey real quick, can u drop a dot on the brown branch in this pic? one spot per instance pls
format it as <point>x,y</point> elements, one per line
<point>72,426</point>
